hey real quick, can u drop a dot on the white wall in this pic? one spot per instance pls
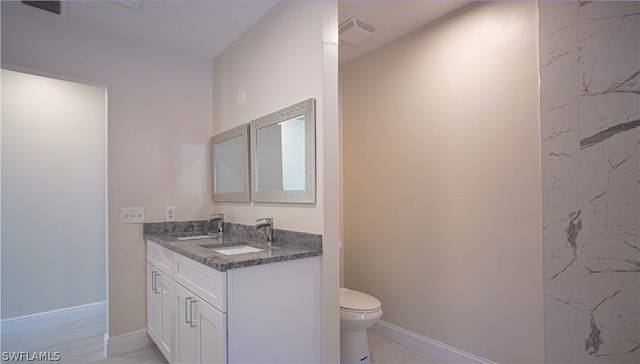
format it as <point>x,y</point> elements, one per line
<point>287,57</point>
<point>277,63</point>
<point>442,196</point>
<point>54,213</point>
<point>159,117</point>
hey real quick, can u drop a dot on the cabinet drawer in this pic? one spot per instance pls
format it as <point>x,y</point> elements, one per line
<point>160,258</point>
<point>208,283</point>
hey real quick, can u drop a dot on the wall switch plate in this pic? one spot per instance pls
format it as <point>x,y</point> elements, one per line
<point>169,214</point>
<point>132,215</point>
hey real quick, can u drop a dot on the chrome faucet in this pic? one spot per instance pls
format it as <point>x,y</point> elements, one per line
<point>220,219</point>
<point>267,223</point>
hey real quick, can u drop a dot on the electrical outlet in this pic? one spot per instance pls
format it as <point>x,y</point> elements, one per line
<point>132,215</point>
<point>169,214</point>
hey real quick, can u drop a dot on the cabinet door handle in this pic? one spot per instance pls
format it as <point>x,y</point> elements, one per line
<point>154,283</point>
<point>192,322</point>
<point>158,286</point>
<point>187,307</point>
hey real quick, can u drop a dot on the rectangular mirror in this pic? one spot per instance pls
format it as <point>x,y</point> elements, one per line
<point>230,165</point>
<point>283,155</point>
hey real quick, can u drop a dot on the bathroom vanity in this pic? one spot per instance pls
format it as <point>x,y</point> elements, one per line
<point>204,306</point>
<point>234,297</point>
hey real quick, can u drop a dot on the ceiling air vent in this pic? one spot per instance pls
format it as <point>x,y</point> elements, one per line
<point>354,31</point>
<point>54,7</point>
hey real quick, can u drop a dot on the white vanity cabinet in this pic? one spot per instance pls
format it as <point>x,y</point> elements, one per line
<point>256,314</point>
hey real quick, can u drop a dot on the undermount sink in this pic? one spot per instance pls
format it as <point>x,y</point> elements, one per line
<point>196,237</point>
<point>238,249</point>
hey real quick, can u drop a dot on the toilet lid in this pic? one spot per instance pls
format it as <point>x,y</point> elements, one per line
<point>354,300</point>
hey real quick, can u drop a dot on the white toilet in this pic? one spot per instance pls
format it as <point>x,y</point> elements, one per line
<point>358,312</point>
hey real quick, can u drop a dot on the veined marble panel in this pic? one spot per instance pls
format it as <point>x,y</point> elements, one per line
<point>559,28</point>
<point>564,339</point>
<point>561,151</point>
<point>612,301</point>
<point>590,130</point>
<point>608,180</point>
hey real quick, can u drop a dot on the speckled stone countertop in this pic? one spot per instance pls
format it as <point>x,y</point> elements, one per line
<point>287,245</point>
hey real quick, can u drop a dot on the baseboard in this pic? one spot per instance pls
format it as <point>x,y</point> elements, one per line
<point>424,345</point>
<point>128,342</point>
<point>53,318</point>
<point>73,333</point>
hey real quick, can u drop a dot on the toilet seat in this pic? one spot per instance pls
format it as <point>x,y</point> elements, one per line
<point>355,301</point>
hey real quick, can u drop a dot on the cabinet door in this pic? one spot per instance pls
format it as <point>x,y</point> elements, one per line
<point>186,339</point>
<point>160,310</point>
<point>166,287</point>
<point>154,305</point>
<point>212,325</point>
<point>202,330</point>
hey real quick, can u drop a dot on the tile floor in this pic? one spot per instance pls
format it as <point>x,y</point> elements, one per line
<point>383,351</point>
<point>80,339</point>
<point>150,355</point>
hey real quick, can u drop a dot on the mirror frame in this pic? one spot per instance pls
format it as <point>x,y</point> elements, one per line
<point>244,196</point>
<point>308,195</point>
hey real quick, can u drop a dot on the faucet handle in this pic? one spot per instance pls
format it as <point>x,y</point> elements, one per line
<point>220,219</point>
<point>221,215</point>
<point>267,219</point>
<point>267,224</point>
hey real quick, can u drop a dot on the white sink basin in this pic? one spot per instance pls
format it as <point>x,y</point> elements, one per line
<point>241,249</point>
<point>196,237</point>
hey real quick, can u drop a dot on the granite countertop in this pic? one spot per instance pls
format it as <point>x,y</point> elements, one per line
<point>287,245</point>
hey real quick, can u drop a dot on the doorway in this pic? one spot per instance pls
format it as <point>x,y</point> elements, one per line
<point>53,229</point>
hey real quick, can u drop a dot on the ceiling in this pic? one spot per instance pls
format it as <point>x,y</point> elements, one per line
<point>392,18</point>
<point>201,28</point>
<point>204,28</point>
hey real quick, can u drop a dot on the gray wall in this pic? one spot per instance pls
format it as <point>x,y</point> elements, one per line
<point>590,111</point>
<point>442,205</point>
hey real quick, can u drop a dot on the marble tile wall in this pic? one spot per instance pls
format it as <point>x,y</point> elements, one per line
<point>590,118</point>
